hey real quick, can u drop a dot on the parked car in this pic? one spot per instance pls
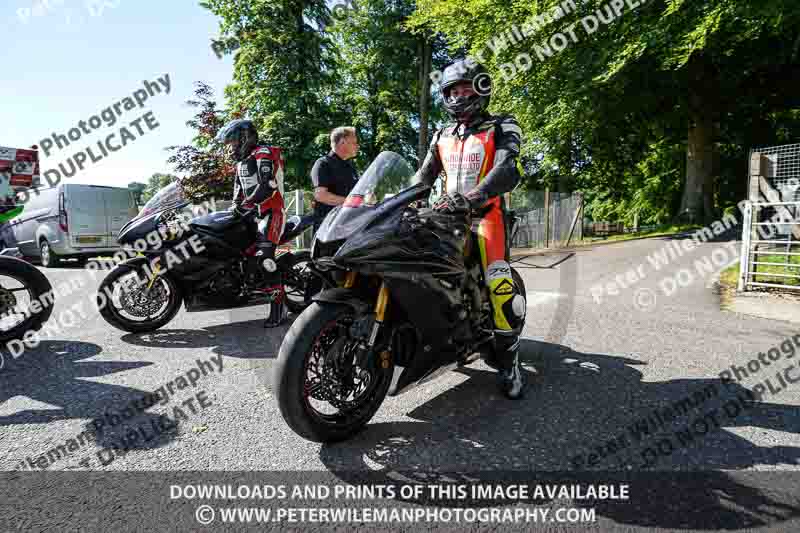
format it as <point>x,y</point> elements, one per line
<point>70,220</point>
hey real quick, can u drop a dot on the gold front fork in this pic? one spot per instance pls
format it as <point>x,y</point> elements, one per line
<point>383,302</point>
<point>380,315</point>
<point>154,275</point>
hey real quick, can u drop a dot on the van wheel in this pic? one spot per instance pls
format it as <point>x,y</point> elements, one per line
<point>49,257</point>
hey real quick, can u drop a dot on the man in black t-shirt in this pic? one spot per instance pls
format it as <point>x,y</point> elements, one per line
<point>333,175</point>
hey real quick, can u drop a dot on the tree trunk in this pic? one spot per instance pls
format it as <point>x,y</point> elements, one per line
<point>698,200</point>
<point>425,53</point>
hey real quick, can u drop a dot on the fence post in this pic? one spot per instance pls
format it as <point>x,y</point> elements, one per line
<point>578,213</point>
<point>298,210</point>
<point>744,258</point>
<point>547,217</point>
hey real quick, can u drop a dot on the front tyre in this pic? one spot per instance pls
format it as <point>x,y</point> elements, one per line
<point>125,302</point>
<point>321,394</point>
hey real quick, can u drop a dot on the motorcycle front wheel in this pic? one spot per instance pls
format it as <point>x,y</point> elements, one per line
<point>322,395</point>
<point>126,303</point>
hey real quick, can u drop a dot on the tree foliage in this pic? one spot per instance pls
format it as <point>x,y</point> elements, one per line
<point>284,74</point>
<point>155,183</point>
<point>614,111</point>
<point>379,59</point>
<point>206,164</point>
<point>650,110</point>
<point>300,72</point>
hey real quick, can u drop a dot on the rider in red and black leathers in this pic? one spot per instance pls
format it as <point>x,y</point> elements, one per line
<point>478,156</point>
<point>259,185</point>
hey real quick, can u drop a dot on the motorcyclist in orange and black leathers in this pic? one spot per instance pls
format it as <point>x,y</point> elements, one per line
<point>258,185</point>
<point>478,155</point>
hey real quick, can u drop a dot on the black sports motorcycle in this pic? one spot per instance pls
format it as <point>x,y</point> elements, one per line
<point>226,273</point>
<point>410,304</point>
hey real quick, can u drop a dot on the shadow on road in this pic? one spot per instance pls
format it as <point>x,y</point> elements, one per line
<point>245,339</point>
<point>55,373</point>
<point>577,405</point>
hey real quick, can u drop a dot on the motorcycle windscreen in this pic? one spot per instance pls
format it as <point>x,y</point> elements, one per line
<point>388,175</point>
<point>169,197</point>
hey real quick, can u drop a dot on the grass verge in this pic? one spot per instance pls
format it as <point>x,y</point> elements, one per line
<point>661,231</point>
<point>729,278</point>
<point>790,266</point>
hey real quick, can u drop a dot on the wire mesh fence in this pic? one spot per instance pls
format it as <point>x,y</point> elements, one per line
<point>538,227</point>
<point>782,170</point>
<point>547,219</point>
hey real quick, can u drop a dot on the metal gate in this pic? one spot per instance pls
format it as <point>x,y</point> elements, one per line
<point>770,254</point>
<point>770,246</point>
<point>298,202</point>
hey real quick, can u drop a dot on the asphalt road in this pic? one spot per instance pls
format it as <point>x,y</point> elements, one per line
<point>604,363</point>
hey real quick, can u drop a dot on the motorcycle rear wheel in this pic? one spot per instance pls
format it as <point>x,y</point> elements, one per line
<point>36,285</point>
<point>321,327</point>
<point>298,282</point>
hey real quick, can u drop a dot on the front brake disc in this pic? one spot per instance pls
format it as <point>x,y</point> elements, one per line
<point>134,301</point>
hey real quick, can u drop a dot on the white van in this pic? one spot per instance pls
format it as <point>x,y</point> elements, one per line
<point>69,220</point>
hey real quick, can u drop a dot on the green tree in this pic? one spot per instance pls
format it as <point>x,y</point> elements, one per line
<point>284,75</point>
<point>206,164</point>
<point>363,67</point>
<point>637,112</point>
<point>379,82</point>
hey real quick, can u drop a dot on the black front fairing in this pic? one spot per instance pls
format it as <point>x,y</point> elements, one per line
<point>387,237</point>
<point>137,229</point>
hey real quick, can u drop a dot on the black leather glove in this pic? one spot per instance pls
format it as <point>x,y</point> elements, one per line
<point>452,203</point>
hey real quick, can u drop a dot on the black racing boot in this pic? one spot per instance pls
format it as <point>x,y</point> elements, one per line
<point>277,313</point>
<point>510,376</point>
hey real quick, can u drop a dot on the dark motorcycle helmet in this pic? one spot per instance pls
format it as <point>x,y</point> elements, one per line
<point>242,135</point>
<point>465,108</point>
